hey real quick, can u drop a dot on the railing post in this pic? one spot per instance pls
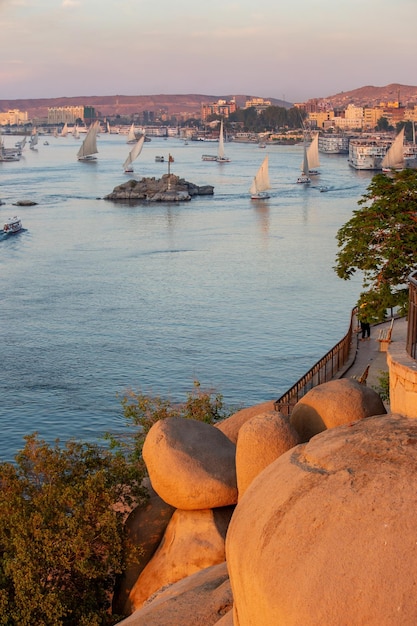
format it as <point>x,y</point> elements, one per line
<point>319,372</point>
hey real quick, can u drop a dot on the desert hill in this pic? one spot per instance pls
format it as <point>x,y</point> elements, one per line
<point>126,105</point>
<point>191,103</point>
<point>372,96</point>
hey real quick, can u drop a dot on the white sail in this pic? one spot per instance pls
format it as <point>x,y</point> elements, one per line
<point>89,145</point>
<point>133,154</point>
<point>394,157</point>
<point>75,132</point>
<point>220,150</point>
<point>304,178</point>
<point>33,139</point>
<point>64,131</point>
<point>131,137</point>
<point>313,153</point>
<point>260,182</point>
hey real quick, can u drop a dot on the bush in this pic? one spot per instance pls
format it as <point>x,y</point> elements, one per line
<point>61,535</point>
<point>143,411</point>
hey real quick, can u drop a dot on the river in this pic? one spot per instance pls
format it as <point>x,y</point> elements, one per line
<point>99,297</point>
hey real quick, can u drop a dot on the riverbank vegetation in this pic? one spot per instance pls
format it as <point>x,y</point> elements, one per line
<point>62,512</point>
<point>380,241</point>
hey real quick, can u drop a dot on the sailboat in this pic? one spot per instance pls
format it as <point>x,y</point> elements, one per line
<point>89,146</point>
<point>394,157</point>
<point>64,131</point>
<point>75,132</point>
<point>221,158</point>
<point>131,137</point>
<point>260,184</point>
<point>133,154</point>
<point>33,139</point>
<point>313,156</point>
<point>304,178</point>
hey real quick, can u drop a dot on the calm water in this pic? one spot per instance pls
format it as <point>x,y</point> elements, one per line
<point>98,297</point>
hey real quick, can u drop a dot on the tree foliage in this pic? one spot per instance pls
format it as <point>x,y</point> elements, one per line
<point>143,411</point>
<point>271,119</point>
<point>380,240</point>
<point>61,533</point>
<point>62,512</point>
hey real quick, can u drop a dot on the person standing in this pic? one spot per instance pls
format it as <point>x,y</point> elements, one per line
<point>364,323</point>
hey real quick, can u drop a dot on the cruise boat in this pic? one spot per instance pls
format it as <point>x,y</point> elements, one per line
<point>334,144</point>
<point>12,225</point>
<point>367,154</point>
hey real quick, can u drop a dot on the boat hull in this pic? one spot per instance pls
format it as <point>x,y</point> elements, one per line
<point>13,225</point>
<point>262,195</point>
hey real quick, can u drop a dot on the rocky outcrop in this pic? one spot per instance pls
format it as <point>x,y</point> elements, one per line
<point>231,426</point>
<point>323,531</point>
<point>193,541</point>
<point>24,203</point>
<point>198,600</point>
<point>326,533</point>
<point>333,404</point>
<point>145,528</point>
<point>191,464</point>
<point>169,188</point>
<point>261,440</point>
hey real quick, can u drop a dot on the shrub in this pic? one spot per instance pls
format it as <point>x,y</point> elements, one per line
<point>61,535</point>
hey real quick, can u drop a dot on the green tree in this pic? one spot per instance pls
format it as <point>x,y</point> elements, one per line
<point>143,411</point>
<point>380,240</point>
<point>383,124</point>
<point>61,533</point>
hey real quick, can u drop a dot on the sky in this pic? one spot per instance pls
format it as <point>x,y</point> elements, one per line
<point>286,49</point>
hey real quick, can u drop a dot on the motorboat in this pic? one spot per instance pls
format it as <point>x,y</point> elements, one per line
<point>12,225</point>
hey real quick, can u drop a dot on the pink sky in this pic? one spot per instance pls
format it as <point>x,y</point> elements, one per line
<point>291,49</point>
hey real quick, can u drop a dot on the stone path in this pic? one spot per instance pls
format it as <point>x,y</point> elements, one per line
<point>368,353</point>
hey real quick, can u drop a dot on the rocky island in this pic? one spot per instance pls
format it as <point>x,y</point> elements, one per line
<point>169,188</point>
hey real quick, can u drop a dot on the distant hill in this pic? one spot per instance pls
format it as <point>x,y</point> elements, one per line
<point>372,96</point>
<point>127,105</point>
<point>191,103</point>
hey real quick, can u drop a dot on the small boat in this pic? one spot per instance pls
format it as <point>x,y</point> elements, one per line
<point>323,189</point>
<point>304,178</point>
<point>133,155</point>
<point>262,145</point>
<point>209,157</point>
<point>12,225</point>
<point>159,159</point>
<point>221,157</point>
<point>260,184</point>
<point>33,140</point>
<point>46,143</point>
<point>89,146</point>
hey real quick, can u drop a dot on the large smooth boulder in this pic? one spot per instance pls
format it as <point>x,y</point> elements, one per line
<point>327,533</point>
<point>144,528</point>
<point>261,440</point>
<point>332,404</point>
<point>198,600</point>
<point>191,464</point>
<point>231,425</point>
<point>193,541</point>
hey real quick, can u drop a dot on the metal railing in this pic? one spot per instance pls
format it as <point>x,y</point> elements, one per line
<point>411,346</point>
<point>324,370</point>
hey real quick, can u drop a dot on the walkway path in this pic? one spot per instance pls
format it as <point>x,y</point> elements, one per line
<point>367,353</point>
